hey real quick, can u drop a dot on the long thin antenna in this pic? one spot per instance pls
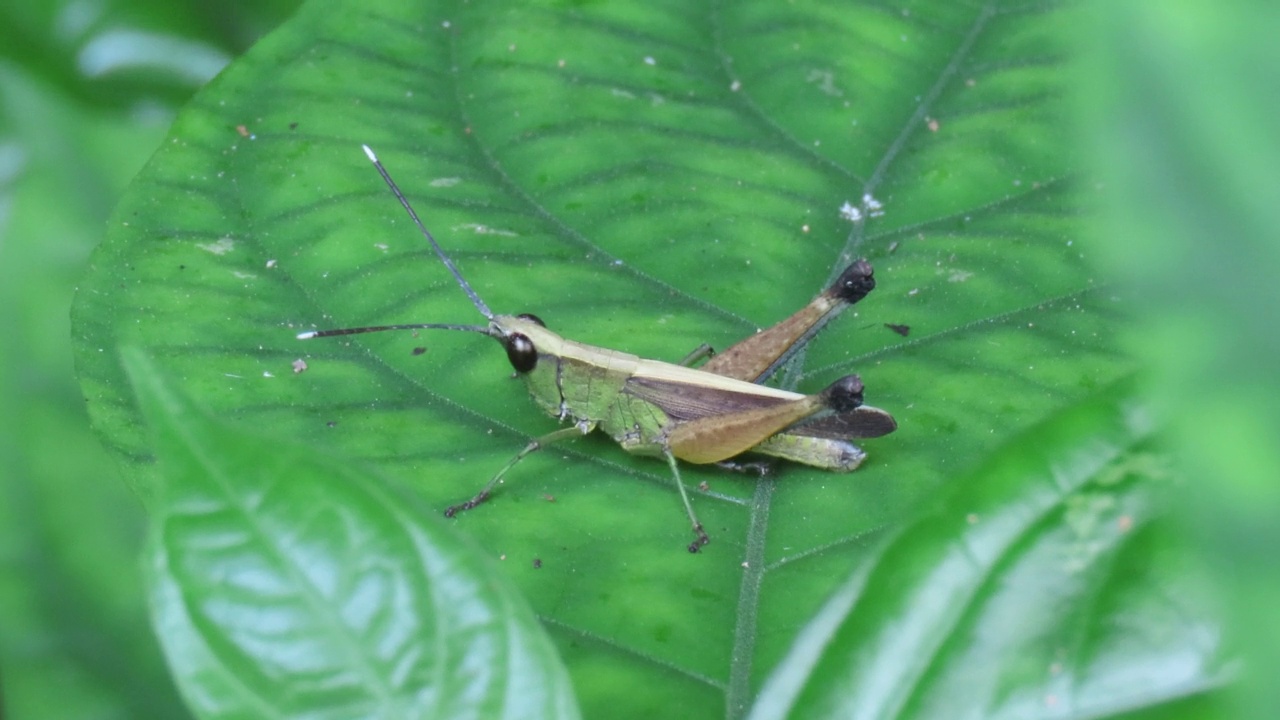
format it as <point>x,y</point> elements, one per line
<point>475,299</point>
<point>379,328</point>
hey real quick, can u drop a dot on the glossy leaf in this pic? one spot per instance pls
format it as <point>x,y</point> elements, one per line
<point>645,178</point>
<point>1050,584</point>
<point>284,584</point>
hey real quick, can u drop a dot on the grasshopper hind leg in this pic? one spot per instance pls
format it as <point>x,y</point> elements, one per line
<point>832,454</point>
<point>567,433</point>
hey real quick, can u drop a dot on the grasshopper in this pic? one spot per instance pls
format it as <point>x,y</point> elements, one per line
<point>712,414</point>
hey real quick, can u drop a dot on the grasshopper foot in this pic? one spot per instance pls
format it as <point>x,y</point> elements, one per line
<point>455,509</point>
<point>703,539</point>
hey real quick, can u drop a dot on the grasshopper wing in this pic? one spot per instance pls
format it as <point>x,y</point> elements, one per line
<point>682,401</point>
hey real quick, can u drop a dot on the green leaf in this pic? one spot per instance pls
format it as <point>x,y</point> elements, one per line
<point>1173,96</point>
<point>285,584</point>
<point>644,178</point>
<point>1051,582</point>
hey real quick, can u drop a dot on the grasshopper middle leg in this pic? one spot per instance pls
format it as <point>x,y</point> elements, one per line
<point>701,352</point>
<point>702,538</point>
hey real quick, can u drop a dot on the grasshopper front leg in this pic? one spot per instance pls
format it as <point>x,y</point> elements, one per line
<point>568,433</point>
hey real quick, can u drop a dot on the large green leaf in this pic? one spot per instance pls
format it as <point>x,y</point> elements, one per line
<point>644,177</point>
<point>284,584</point>
<point>1053,583</point>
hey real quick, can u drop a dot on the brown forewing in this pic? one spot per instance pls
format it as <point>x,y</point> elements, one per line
<point>685,401</point>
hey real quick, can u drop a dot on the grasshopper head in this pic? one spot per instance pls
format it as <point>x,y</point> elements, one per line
<point>521,337</point>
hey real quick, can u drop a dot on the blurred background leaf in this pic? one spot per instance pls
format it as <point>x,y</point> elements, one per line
<point>80,112</point>
<point>1177,104</point>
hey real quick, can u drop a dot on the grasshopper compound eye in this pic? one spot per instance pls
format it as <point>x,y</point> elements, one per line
<point>521,352</point>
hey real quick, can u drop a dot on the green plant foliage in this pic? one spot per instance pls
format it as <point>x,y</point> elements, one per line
<point>74,636</point>
<point>1174,102</point>
<point>647,178</point>
<point>1007,603</point>
<point>362,604</point>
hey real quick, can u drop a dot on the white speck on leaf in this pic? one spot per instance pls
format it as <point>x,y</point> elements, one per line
<point>479,229</point>
<point>826,82</point>
<point>221,247</point>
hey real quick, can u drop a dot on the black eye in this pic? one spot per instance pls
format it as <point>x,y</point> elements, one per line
<point>521,352</point>
<point>532,318</point>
